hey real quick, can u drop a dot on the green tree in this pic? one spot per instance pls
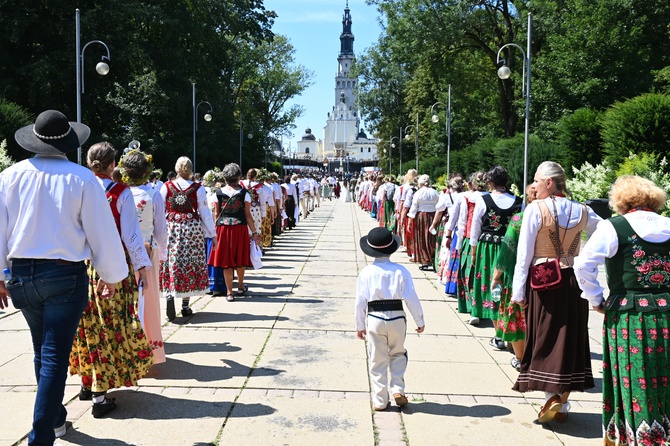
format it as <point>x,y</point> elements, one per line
<point>579,137</point>
<point>12,118</point>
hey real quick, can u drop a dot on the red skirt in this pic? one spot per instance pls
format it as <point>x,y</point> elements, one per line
<point>232,247</point>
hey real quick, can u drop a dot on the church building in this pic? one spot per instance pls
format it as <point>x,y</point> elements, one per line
<point>343,139</point>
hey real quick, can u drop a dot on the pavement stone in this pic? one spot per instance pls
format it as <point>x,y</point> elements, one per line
<point>282,366</point>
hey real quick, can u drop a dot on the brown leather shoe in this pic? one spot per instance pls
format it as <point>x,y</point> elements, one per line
<point>550,409</point>
<point>400,399</point>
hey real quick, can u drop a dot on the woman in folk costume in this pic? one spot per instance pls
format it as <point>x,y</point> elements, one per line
<point>422,213</point>
<point>212,181</point>
<point>634,247</point>
<point>268,211</point>
<point>477,185</point>
<point>387,215</point>
<point>446,211</point>
<point>189,221</point>
<point>291,203</point>
<point>135,168</point>
<point>511,323</point>
<point>557,356</point>
<point>233,224</point>
<point>253,187</point>
<point>489,223</point>
<point>278,197</point>
<point>110,348</point>
<point>401,210</point>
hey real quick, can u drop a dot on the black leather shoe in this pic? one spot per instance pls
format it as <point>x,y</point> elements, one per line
<point>85,394</point>
<point>171,313</point>
<point>186,311</point>
<point>102,409</point>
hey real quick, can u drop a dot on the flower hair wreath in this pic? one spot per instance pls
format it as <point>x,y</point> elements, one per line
<point>126,179</point>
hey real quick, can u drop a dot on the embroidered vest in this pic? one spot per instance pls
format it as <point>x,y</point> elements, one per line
<point>496,220</point>
<point>567,242</point>
<point>181,204</point>
<point>113,191</point>
<point>231,208</point>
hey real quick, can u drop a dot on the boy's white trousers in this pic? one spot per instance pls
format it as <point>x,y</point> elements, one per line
<point>386,354</point>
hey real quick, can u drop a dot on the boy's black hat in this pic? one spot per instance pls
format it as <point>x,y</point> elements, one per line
<point>379,242</point>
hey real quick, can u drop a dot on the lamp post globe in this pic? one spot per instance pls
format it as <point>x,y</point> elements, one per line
<point>504,72</point>
<point>435,119</point>
<point>102,68</point>
<point>208,117</point>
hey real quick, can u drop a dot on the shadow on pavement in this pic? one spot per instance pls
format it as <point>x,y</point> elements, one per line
<point>580,425</point>
<point>76,437</point>
<point>288,300</point>
<point>172,348</point>
<point>455,410</point>
<point>176,369</point>
<point>206,317</point>
<point>150,406</point>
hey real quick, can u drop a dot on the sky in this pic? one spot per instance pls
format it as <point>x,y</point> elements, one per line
<point>313,28</point>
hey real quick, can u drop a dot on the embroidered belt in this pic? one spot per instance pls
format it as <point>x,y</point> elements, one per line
<point>385,305</point>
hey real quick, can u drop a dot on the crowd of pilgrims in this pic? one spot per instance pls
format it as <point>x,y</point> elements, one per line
<point>533,270</point>
<point>527,269</point>
<point>187,236</point>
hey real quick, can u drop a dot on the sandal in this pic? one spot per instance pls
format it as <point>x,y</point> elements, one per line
<point>243,291</point>
<point>230,298</point>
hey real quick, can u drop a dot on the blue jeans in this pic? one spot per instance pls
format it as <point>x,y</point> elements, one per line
<point>51,294</point>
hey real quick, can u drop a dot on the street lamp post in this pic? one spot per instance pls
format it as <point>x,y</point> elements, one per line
<point>504,73</point>
<point>436,119</point>
<point>386,148</point>
<point>415,127</point>
<point>102,67</point>
<point>250,135</point>
<point>393,147</point>
<point>208,117</point>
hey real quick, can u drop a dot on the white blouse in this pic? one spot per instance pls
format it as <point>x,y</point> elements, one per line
<point>424,200</point>
<point>530,226</point>
<point>152,220</point>
<point>604,244</point>
<point>463,211</point>
<point>454,212</point>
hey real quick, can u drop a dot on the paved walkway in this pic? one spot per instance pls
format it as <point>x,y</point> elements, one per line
<point>283,367</point>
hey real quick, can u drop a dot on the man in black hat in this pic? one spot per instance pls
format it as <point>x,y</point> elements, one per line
<point>53,217</point>
<point>380,291</point>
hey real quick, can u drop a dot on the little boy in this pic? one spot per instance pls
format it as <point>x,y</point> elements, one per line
<point>381,288</point>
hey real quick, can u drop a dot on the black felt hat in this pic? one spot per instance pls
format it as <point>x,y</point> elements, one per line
<point>379,242</point>
<point>52,133</point>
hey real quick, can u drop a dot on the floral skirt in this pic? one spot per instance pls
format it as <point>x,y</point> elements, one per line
<point>636,370</point>
<point>184,273</point>
<point>464,281</point>
<point>511,323</point>
<point>481,304</point>
<point>110,348</point>
<point>438,250</point>
<point>266,228</point>
<point>409,236</point>
<point>451,271</point>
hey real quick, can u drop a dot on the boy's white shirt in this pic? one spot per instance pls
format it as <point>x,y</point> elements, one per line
<point>383,280</point>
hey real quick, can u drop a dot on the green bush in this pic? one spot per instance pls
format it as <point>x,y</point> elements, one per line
<point>5,159</point>
<point>434,167</point>
<point>12,118</point>
<point>510,154</point>
<point>639,125</point>
<point>579,137</point>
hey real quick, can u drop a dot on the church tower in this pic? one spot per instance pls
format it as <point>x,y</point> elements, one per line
<point>341,135</point>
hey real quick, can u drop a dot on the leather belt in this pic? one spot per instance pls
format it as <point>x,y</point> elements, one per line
<point>385,305</point>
